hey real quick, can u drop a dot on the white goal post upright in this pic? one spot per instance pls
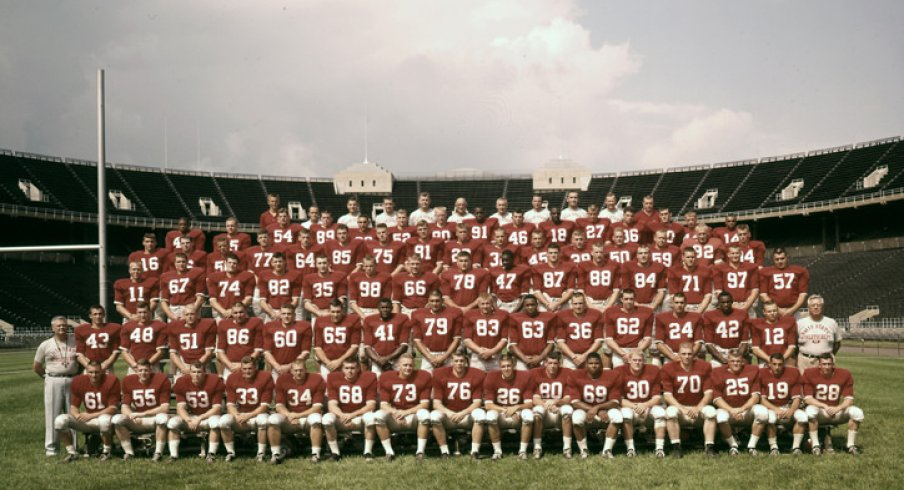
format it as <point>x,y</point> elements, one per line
<point>101,194</point>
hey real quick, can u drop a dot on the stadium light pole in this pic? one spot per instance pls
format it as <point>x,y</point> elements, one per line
<point>101,194</point>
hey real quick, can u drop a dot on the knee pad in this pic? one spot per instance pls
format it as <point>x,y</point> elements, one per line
<point>492,417</point>
<point>708,412</point>
<point>760,414</point>
<point>175,423</point>
<point>369,419</point>
<point>213,422</point>
<point>539,410</point>
<point>161,419</point>
<point>855,413</point>
<point>422,416</point>
<point>479,415</point>
<point>61,422</point>
<point>566,411</point>
<point>436,417</point>
<point>328,420</point>
<point>671,413</point>
<point>275,419</point>
<point>104,423</point>
<point>800,417</point>
<point>527,416</point>
<point>379,418</point>
<point>579,417</point>
<point>722,416</point>
<point>658,414</point>
<point>773,417</point>
<point>118,419</point>
<point>627,414</point>
<point>615,416</point>
<point>812,412</point>
<point>261,421</point>
<point>227,421</point>
<point>315,419</point>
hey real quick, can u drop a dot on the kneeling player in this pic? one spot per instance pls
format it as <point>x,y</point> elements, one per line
<point>687,390</point>
<point>829,394</point>
<point>100,392</point>
<point>404,405</point>
<point>457,397</point>
<point>595,396</point>
<point>352,399</point>
<point>199,402</point>
<point>508,394</point>
<point>248,400</point>
<point>780,393</point>
<point>642,402</point>
<point>299,402</point>
<point>145,408</point>
<point>736,393</point>
<point>552,403</point>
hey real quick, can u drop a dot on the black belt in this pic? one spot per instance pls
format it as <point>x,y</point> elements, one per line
<point>51,375</point>
<point>811,356</point>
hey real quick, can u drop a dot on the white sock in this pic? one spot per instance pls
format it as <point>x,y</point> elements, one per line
<point>538,443</point>
<point>522,448</point>
<point>444,449</point>
<point>497,448</point>
<point>334,446</point>
<point>368,446</point>
<point>174,448</point>
<point>660,443</point>
<point>126,447</point>
<point>230,447</point>
<point>675,441</point>
<point>276,450</point>
<point>213,447</point>
<point>582,444</point>
<point>798,438</point>
<point>814,438</point>
<point>607,446</point>
<point>160,446</point>
<point>261,448</point>
<point>731,441</point>
<point>315,450</point>
<point>773,442</point>
<point>852,438</point>
<point>629,443</point>
<point>566,442</point>
<point>421,445</point>
<point>108,448</point>
<point>751,444</point>
<point>475,447</point>
<point>387,446</point>
<point>70,449</point>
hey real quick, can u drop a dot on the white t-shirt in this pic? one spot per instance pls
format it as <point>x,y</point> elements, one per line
<point>458,218</point>
<point>386,219</point>
<point>417,215</point>
<point>569,214</point>
<point>536,217</point>
<point>815,338</point>
<point>349,220</point>
<point>613,216</point>
<point>502,220</point>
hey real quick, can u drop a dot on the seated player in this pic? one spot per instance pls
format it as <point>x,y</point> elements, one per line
<point>385,336</point>
<point>687,390</point>
<point>336,338</point>
<point>672,328</point>
<point>642,401</point>
<point>829,395</point>
<point>366,287</point>
<point>199,403</point>
<point>485,333</point>
<point>248,397</point>
<point>552,403</point>
<point>100,393</point>
<point>725,328</point>
<point>299,403</point>
<point>237,338</point>
<point>784,283</point>
<point>580,332</point>
<point>781,393</point>
<point>627,327</point>
<point>98,340</point>
<point>145,409</point>
<point>404,405</point>
<point>436,332</point>
<point>457,400</point>
<point>736,394</point>
<point>286,340</point>
<point>352,395</point>
<point>411,286</point>
<point>130,291</point>
<point>599,279</point>
<point>596,398</point>
<point>509,401</point>
<point>773,334</point>
<point>532,335</point>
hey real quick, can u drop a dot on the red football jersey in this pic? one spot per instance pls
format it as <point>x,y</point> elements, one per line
<point>674,232</point>
<point>508,392</point>
<point>335,339</point>
<point>323,234</point>
<point>509,285</point>
<point>142,341</point>
<point>351,395</point>
<point>645,280</point>
<point>595,229</point>
<point>230,290</point>
<point>464,287</point>
<point>640,387</point>
<point>279,289</point>
<point>695,284</point>
<point>445,232</point>
<point>492,255</point>
<point>412,291</point>
<point>286,343</point>
<point>576,255</point>
<point>550,387</point>
<point>726,331</point>
<point>404,394</point>
<point>628,329</point>
<point>283,235</point>
<point>707,253</point>
<point>151,263</point>
<point>455,393</point>
<point>344,258</point>
<point>402,233</point>
<point>437,330</point>
<point>182,289</point>
<point>199,399</point>
<point>518,235</point>
<point>367,291</point>
<point>430,251</point>
<point>599,280</point>
<point>558,233</point>
<point>97,344</point>
<point>736,388</point>
<point>197,259</point>
<point>216,262</point>
<point>532,334</point>
<point>486,330</point>
<point>388,255</point>
<point>95,398</point>
<point>725,234</point>
<point>753,252</point>
<point>594,391</point>
<point>784,285</point>
<point>828,389</point>
<point>688,386</point>
<point>621,254</point>
<point>674,331</point>
<point>580,333</point>
<point>780,390</point>
<point>773,338</point>
<point>129,294</point>
<point>141,397</point>
<point>555,280</point>
<point>299,397</point>
<point>321,290</point>
<point>473,246</point>
<point>302,259</point>
<point>532,256</point>
<point>267,218</point>
<point>238,341</point>
<point>198,239</point>
<point>238,242</point>
<point>385,336</point>
<point>667,256</point>
<point>191,342</point>
<point>247,395</point>
<point>645,218</point>
<point>634,233</point>
<point>482,231</point>
<point>739,282</point>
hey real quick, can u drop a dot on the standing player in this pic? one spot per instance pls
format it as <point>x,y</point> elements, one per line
<point>709,249</point>
<point>724,329</point>
<point>352,398</point>
<point>781,394</point>
<point>192,339</point>
<point>320,290</point>
<point>457,398</point>
<point>463,242</point>
<point>268,217</point>
<point>518,231</point>
<point>143,339</point>
<point>130,291</point>
<point>647,213</point>
<point>150,257</point>
<point>676,327</point>
<point>199,402</point>
<point>196,258</point>
<point>752,251</point>
<point>389,254</point>
<point>510,283</point>
<point>366,287</point>
<point>736,394</point>
<point>552,403</point>
<point>410,287</point>
<point>509,401</point>
<point>301,256</point>
<point>740,279</point>
<point>428,247</point>
<point>184,229</point>
<point>554,282</point>
<point>596,396</point>
<point>492,252</point>
<point>145,409</point>
<point>785,284</point>
<point>688,391</point>
<point>404,405</point>
<point>482,228</point>
<point>98,340</point>
<point>463,285</point>
<point>628,327</point>
<point>596,229</point>
<point>237,338</point>
<point>100,392</point>
<point>774,334</point>
<point>694,279</point>
<point>642,401</point>
<point>646,278</point>
<point>580,332</point>
<point>299,403</point>
<point>635,232</point>
<point>248,398</point>
<point>728,233</point>
<point>829,395</point>
<point>286,341</point>
<point>283,232</point>
<point>386,337</point>
<point>572,212</point>
<point>336,338</point>
<point>278,287</point>
<point>557,229</point>
<point>55,363</point>
<point>674,232</point>
<point>662,251</point>
<point>436,331</point>
<point>536,252</point>
<point>216,260</point>
<point>532,335</point>
<point>599,279</point>
<point>537,213</point>
<point>344,253</point>
<point>817,334</point>
<point>577,251</point>
<point>237,240</point>
<point>619,251</point>
<point>230,287</point>
<point>180,288</point>
<point>402,231</point>
<point>485,333</point>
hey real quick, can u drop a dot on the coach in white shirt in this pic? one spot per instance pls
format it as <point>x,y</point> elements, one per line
<point>351,218</point>
<point>817,334</point>
<point>502,215</point>
<point>423,212</point>
<point>537,214</point>
<point>460,213</point>
<point>610,211</point>
<point>573,212</point>
<point>388,216</point>
<point>55,361</point>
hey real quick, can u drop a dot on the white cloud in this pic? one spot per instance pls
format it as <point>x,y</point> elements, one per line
<point>719,135</point>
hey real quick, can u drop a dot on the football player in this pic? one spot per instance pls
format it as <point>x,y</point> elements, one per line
<point>411,287</point>
<point>509,401</point>
<point>352,395</point>
<point>98,340</point>
<point>774,334</point>
<point>277,288</point>
<point>366,287</point>
<point>145,409</point>
<point>299,403</point>
<point>100,392</point>
<point>646,278</point>
<point>596,229</point>
<point>286,341</point>
<point>150,257</point>
<point>171,242</point>
<point>457,399</point>
<point>336,338</point>
<point>725,328</point>
<point>509,282</point>
<point>230,287</point>
<point>554,282</point>
<point>596,397</point>
<point>580,332</point>
<point>428,247</point>
<point>829,395</point>
<point>237,338</point>
<point>557,229</point>
<point>785,284</point>
<point>740,279</point>
<point>688,391</point>
<point>191,339</point>
<point>388,253</point>
<point>675,327</point>
<point>199,402</point>
<point>552,403</point>
<point>736,394</point>
<point>248,397</point>
<point>237,240</point>
<point>436,331</point>
<point>268,217</point>
<point>321,289</point>
<point>143,339</point>
<point>485,333</point>
<point>532,335</point>
<point>129,291</point>
<point>180,288</point>
<point>404,405</point>
<point>626,327</point>
<point>386,337</point>
<point>642,401</point>
<point>599,279</point>
<point>781,393</point>
<point>463,284</point>
<point>694,279</point>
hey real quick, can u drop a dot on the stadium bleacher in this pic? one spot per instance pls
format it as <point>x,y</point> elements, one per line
<point>519,193</point>
<point>155,191</point>
<point>600,185</point>
<point>761,184</point>
<point>192,186</point>
<point>289,190</point>
<point>726,179</point>
<point>844,176</point>
<point>245,195</point>
<point>677,188</point>
<point>851,281</point>
<point>636,185</point>
<point>810,170</point>
<point>480,193</point>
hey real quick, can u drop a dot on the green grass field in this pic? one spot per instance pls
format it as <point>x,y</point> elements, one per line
<point>877,392</point>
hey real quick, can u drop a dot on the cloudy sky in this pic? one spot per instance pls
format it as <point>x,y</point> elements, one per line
<point>286,87</point>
